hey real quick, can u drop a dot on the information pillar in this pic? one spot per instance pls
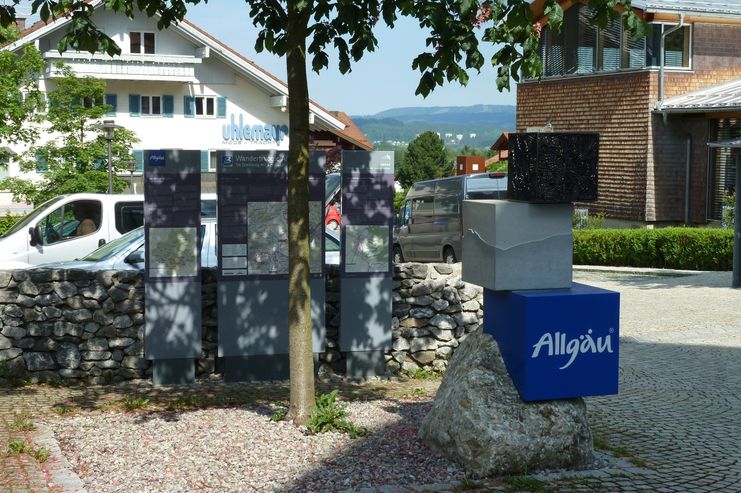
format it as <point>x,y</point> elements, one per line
<point>367,272</point>
<point>253,262</point>
<point>173,238</point>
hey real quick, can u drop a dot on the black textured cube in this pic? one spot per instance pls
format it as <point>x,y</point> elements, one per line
<point>553,168</point>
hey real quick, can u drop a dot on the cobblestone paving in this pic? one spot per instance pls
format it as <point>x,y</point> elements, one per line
<point>676,422</point>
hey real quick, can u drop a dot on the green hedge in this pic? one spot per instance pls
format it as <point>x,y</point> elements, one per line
<point>666,248</point>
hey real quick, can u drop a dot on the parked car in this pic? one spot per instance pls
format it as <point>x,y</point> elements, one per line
<point>332,216</point>
<point>67,226</point>
<point>128,253</point>
<point>430,226</point>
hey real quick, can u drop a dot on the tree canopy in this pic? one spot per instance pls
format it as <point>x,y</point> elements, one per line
<point>426,158</point>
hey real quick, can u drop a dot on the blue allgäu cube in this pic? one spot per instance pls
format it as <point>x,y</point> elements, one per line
<point>558,343</point>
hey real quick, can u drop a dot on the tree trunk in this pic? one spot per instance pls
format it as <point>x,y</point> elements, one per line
<point>300,355</point>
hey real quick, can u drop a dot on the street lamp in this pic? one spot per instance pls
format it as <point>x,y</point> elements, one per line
<point>109,126</point>
<point>132,168</point>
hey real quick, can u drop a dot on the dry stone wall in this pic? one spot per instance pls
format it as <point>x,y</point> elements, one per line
<point>88,327</point>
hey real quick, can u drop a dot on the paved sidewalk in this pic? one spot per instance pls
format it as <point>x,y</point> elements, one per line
<point>676,422</point>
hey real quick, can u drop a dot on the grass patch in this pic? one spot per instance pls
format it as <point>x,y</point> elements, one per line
<point>468,485</point>
<point>182,403</point>
<point>525,483</point>
<point>134,402</point>
<point>423,374</point>
<point>63,410</point>
<point>22,422</point>
<point>330,415</point>
<point>18,447</point>
<point>617,451</point>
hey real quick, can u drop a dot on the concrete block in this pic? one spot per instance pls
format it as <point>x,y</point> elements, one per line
<point>511,245</point>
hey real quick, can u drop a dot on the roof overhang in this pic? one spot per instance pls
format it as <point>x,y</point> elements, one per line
<point>730,143</point>
<point>724,97</point>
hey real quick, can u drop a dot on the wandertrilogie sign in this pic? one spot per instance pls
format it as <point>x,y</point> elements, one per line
<point>366,273</point>
<point>172,231</point>
<point>253,261</point>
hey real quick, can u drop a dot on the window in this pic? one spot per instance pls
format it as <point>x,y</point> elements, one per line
<point>676,46</point>
<point>77,218</point>
<point>151,105</point>
<point>723,165</point>
<point>205,105</point>
<point>140,42</point>
<point>581,48</point>
<point>129,215</point>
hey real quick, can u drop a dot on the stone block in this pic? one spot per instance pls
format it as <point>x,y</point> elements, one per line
<point>38,361</point>
<point>514,245</point>
<point>553,168</point>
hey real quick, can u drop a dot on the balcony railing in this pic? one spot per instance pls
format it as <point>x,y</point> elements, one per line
<point>174,68</point>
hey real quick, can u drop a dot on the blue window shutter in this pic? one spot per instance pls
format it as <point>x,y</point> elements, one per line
<point>139,157</point>
<point>189,106</point>
<point>134,104</point>
<point>221,107</point>
<point>204,161</point>
<point>42,166</point>
<point>111,100</point>
<point>168,106</point>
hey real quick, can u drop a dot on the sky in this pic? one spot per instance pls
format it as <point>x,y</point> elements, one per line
<point>381,80</point>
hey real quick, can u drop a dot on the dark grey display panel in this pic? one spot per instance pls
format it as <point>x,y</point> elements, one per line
<point>172,219</point>
<point>366,273</point>
<point>253,262</point>
<point>553,168</point>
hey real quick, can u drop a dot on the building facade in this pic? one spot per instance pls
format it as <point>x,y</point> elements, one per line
<point>182,88</point>
<point>655,165</point>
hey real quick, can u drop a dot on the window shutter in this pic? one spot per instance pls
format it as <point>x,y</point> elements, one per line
<point>139,157</point>
<point>42,166</point>
<point>134,102</point>
<point>168,106</point>
<point>189,103</point>
<point>204,161</point>
<point>221,107</point>
<point>111,100</point>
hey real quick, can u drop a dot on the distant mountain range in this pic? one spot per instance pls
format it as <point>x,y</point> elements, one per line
<point>476,126</point>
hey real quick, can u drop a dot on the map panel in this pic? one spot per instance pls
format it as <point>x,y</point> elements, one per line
<point>173,252</point>
<point>267,241</point>
<point>316,233</point>
<point>367,248</point>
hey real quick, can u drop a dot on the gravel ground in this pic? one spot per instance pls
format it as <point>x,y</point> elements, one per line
<point>240,449</point>
<point>237,448</point>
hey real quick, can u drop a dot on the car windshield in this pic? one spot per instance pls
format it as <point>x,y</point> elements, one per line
<point>331,186</point>
<point>115,246</point>
<point>23,223</point>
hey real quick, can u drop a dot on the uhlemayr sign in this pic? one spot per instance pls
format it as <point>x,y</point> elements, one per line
<point>237,131</point>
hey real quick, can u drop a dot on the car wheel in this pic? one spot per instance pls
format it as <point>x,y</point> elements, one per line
<point>398,256</point>
<point>449,256</point>
<point>333,225</point>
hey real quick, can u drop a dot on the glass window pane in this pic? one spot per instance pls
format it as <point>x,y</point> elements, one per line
<point>199,106</point>
<point>145,105</point>
<point>135,42</point>
<point>609,49</point>
<point>149,43</point>
<point>676,46</point>
<point>209,106</point>
<point>156,105</point>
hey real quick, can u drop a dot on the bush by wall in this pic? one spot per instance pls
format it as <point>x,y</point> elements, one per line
<point>7,221</point>
<point>668,248</point>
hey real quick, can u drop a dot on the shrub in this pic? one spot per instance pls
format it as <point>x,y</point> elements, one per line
<point>330,415</point>
<point>7,221</point>
<point>667,248</point>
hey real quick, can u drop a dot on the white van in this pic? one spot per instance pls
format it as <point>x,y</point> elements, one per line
<point>70,226</point>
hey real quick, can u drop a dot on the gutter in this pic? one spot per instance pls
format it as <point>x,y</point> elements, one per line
<point>662,53</point>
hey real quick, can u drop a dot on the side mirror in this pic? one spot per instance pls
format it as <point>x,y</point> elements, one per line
<point>35,233</point>
<point>136,257</point>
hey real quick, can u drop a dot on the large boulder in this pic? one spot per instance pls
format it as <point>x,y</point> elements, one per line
<point>479,420</point>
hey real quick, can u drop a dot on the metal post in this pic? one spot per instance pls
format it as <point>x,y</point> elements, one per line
<point>110,166</point>
<point>736,283</point>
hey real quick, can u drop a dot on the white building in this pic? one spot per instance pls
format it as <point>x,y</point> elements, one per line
<point>182,88</point>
